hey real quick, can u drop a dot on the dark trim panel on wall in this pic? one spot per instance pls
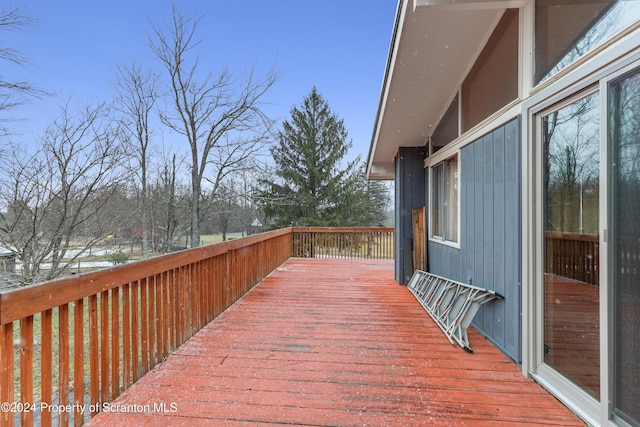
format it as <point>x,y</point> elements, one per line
<point>490,254</point>
<point>410,193</point>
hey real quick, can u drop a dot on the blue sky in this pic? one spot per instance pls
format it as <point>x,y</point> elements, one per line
<point>339,46</point>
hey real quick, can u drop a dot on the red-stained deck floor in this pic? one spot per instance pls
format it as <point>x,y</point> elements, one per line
<point>333,342</point>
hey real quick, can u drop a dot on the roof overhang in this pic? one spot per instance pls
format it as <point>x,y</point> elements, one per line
<point>433,46</point>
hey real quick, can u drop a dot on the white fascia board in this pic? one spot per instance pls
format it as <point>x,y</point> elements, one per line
<point>384,91</point>
<point>469,4</point>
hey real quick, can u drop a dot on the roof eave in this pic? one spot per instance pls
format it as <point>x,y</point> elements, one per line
<point>433,46</point>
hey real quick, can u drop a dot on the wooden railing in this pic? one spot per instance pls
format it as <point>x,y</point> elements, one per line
<point>98,333</point>
<point>80,341</point>
<point>360,243</point>
<point>573,255</point>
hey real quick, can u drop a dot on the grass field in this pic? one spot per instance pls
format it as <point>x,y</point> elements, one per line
<point>217,238</point>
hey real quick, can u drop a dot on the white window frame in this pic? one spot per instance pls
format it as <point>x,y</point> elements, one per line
<point>446,210</point>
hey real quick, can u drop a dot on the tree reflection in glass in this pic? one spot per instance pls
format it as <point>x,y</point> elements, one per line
<point>624,227</point>
<point>571,145</point>
<point>567,30</point>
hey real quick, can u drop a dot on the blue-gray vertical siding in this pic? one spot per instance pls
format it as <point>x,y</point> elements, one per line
<point>490,252</point>
<point>410,193</point>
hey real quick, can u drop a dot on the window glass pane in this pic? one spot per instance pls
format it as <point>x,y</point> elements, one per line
<point>444,210</point>
<point>624,184</point>
<point>437,201</point>
<point>493,81</point>
<point>567,29</point>
<point>570,138</point>
<point>447,129</point>
<point>451,201</point>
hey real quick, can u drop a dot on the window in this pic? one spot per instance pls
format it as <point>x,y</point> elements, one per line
<point>445,189</point>
<point>493,81</point>
<point>447,129</point>
<point>560,41</point>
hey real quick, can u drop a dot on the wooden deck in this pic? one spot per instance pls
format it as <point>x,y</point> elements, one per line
<point>333,342</point>
<point>572,331</point>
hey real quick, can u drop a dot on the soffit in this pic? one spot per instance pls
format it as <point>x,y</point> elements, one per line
<point>433,49</point>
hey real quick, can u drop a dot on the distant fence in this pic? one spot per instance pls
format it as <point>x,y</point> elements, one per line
<point>358,243</point>
<point>573,255</point>
<point>86,338</point>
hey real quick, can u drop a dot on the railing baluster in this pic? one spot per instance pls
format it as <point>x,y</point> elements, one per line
<point>94,373</point>
<point>126,336</point>
<point>183,321</point>
<point>164,312</point>
<point>144,328</point>
<point>199,290</point>
<point>152,320</point>
<point>78,362</point>
<point>135,331</point>
<point>173,322</point>
<point>104,346</point>
<point>193,302</point>
<point>63,357</point>
<point>26,368</point>
<point>46,362</point>
<point>115,343</point>
<point>6,374</point>
<point>159,322</point>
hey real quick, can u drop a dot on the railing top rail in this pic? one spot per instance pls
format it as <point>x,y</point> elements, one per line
<point>340,229</point>
<point>23,302</point>
<point>572,236</point>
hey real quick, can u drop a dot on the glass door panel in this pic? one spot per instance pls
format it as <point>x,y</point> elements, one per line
<point>624,229</point>
<point>571,157</point>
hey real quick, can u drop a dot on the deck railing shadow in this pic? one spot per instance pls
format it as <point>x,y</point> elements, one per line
<point>71,346</point>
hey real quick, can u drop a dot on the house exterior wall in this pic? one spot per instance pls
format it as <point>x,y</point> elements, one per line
<point>410,193</point>
<point>490,253</point>
<point>502,243</point>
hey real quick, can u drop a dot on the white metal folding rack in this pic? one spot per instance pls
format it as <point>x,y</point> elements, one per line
<point>450,303</point>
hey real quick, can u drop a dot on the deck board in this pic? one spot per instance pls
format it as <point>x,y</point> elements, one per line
<point>334,342</point>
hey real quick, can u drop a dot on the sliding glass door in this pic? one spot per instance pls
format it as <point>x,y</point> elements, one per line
<point>571,158</point>
<point>624,246</point>
<point>588,274</point>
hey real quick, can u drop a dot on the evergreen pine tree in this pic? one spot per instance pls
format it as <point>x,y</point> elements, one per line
<point>309,185</point>
<point>366,203</point>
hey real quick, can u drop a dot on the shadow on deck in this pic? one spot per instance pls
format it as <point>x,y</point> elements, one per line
<point>332,342</point>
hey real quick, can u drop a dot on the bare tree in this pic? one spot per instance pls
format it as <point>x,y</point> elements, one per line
<point>571,147</point>
<point>249,212</point>
<point>13,92</point>
<point>225,207</point>
<point>56,197</point>
<point>220,116</point>
<point>613,17</point>
<point>137,94</point>
<point>169,203</point>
